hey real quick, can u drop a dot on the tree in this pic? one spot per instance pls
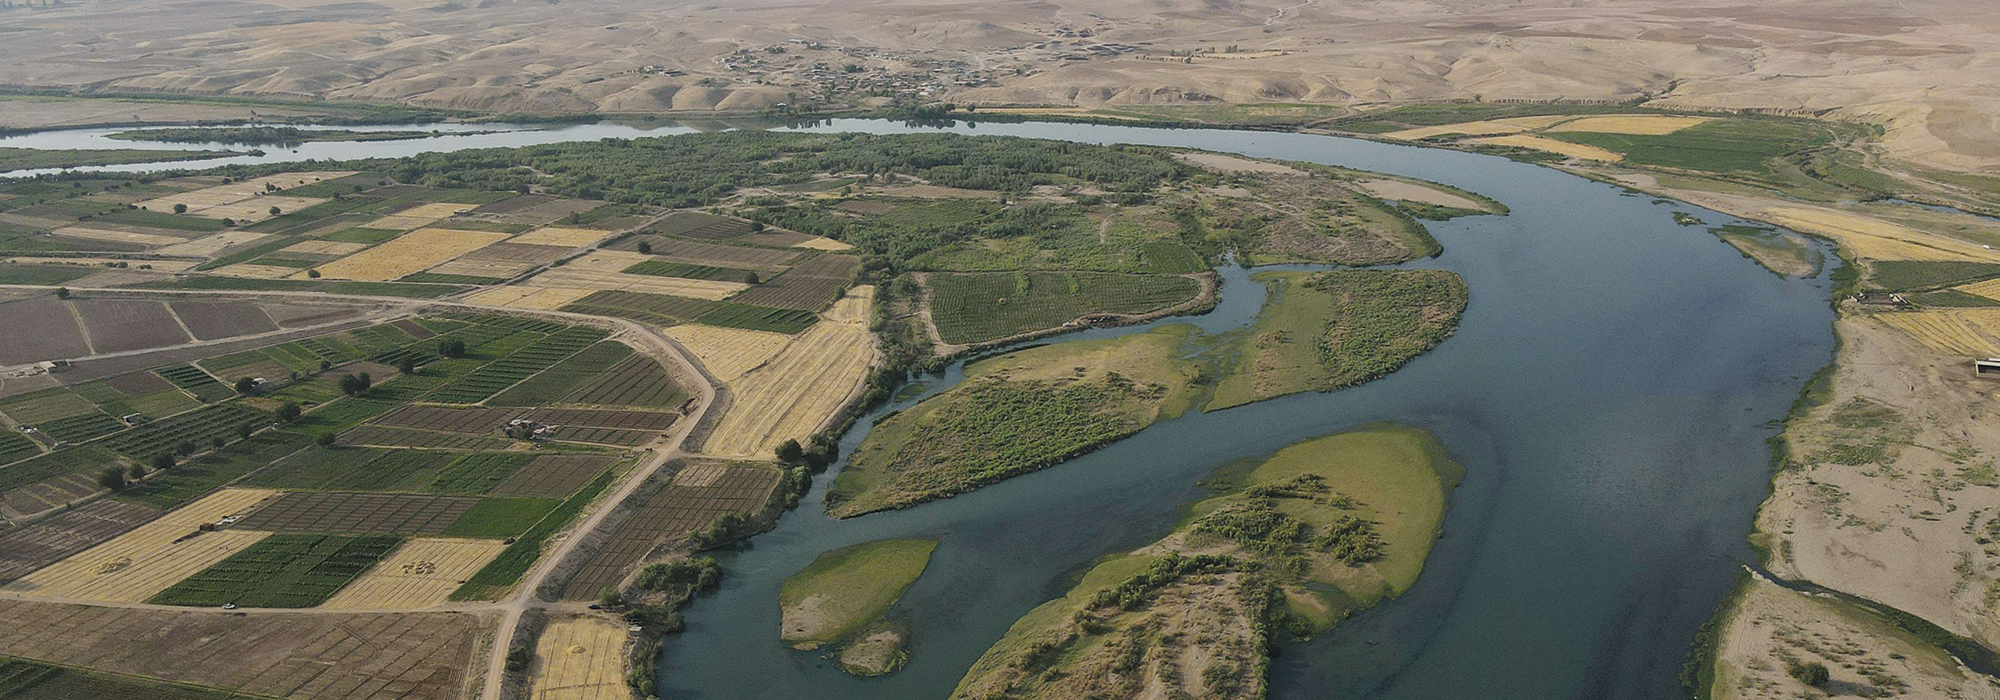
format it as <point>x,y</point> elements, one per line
<point>789,451</point>
<point>324,439</point>
<point>136,472</point>
<point>112,478</point>
<point>750,277</point>
<point>62,292</point>
<point>1813,674</point>
<point>354,384</point>
<point>451,347</point>
<point>274,211</point>
<point>314,274</point>
<point>518,658</point>
<point>163,461</point>
<point>187,447</point>
<point>243,431</point>
<point>246,386</point>
<point>756,226</point>
<point>288,412</point>
<point>407,366</point>
<point>645,248</point>
<point>180,209</point>
<point>325,365</point>
<point>610,598</point>
<point>217,442</point>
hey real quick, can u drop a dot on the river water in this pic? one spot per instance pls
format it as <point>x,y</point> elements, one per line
<point>1609,391</point>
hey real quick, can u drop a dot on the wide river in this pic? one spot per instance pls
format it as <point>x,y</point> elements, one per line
<point>1609,392</point>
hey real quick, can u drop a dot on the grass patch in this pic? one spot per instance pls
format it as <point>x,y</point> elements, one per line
<point>846,590</point>
<point>281,571</point>
<point>35,158</point>
<point>1905,275</point>
<point>973,308</point>
<point>42,274</point>
<point>500,518</point>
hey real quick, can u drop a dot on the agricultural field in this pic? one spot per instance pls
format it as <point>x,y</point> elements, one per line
<point>531,297</point>
<point>845,595</point>
<point>560,237</point>
<point>1908,275</point>
<point>137,565</point>
<point>976,308</point>
<point>604,270</point>
<point>560,380</point>
<point>727,353</point>
<point>281,571</point>
<point>1017,413</point>
<point>302,656</point>
<point>580,658</point>
<point>369,513</point>
<point>419,574</point>
<point>1875,239</point>
<point>49,540</point>
<point>59,334</point>
<point>496,376</point>
<point>410,253</point>
<point>1989,289</point>
<point>1328,330</point>
<point>1549,145</point>
<point>1336,524</point>
<point>699,492</point>
<point>711,254</point>
<point>1961,332</point>
<point>798,391</point>
<point>810,286</point>
<point>506,569</point>
<point>41,484</point>
<point>553,476</point>
<point>637,381</point>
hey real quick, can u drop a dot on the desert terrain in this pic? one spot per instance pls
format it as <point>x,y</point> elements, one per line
<point>1924,71</point>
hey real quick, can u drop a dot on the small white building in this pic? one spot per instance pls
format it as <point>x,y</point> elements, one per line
<point>1989,367</point>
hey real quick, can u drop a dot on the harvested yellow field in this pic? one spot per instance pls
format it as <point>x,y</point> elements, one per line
<point>1573,150</point>
<point>1989,289</point>
<point>257,208</point>
<point>820,243</point>
<point>600,270</point>
<point>483,268</point>
<point>1967,332</point>
<point>138,564</point>
<point>419,574</point>
<point>326,248</point>
<point>727,353</point>
<point>418,216</point>
<point>209,245</point>
<point>1876,239</point>
<point>201,200</point>
<point>560,236</point>
<point>116,236</point>
<point>541,298</point>
<point>795,393</point>
<point>1511,125</point>
<point>261,272</point>
<point>412,252</point>
<point>1640,124</point>
<point>579,659</point>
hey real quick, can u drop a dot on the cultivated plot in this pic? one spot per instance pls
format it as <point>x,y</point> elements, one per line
<point>375,513</point>
<point>304,656</point>
<point>727,353</point>
<point>580,658</point>
<point>798,390</point>
<point>410,253</point>
<point>139,564</point>
<point>52,539</point>
<point>417,575</point>
<point>561,237</point>
<point>684,506</point>
<point>553,476</point>
<point>57,332</point>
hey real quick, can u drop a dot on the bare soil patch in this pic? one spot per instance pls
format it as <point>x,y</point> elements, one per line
<point>122,325</point>
<point>209,320</point>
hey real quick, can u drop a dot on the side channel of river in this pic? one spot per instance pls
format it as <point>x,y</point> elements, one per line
<point>1608,391</point>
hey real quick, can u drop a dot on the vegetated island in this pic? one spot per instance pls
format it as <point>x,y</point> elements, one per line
<point>37,158</point>
<point>261,135</point>
<point>844,597</point>
<point>1296,542</point>
<point>1034,408</point>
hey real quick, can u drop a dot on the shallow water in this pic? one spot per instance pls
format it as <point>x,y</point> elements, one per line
<point>1608,390</point>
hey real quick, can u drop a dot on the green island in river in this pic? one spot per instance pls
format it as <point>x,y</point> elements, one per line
<point>1297,541</point>
<point>844,597</point>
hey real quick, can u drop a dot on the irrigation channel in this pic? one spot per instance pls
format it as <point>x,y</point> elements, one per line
<point>1609,392</point>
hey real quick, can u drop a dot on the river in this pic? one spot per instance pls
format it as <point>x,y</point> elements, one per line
<point>1609,391</point>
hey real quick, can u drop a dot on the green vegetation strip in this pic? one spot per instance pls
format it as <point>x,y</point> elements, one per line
<point>974,308</point>
<point>281,571</point>
<point>505,570</point>
<point>37,158</point>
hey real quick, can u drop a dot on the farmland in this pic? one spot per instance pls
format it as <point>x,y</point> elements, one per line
<point>563,378</point>
<point>798,390</point>
<point>377,513</point>
<point>1327,330</point>
<point>281,571</point>
<point>1962,332</point>
<point>1336,524</point>
<point>418,574</point>
<point>135,566</point>
<point>846,592</point>
<point>24,549</point>
<point>1017,413</point>
<point>638,381</point>
<point>696,495</point>
<point>580,658</point>
<point>975,308</point>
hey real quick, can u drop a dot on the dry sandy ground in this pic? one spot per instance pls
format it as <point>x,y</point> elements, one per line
<point>1928,70</point>
<point>1892,495</point>
<point>1773,627</point>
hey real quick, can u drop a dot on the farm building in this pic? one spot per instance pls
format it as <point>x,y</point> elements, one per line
<point>1989,367</point>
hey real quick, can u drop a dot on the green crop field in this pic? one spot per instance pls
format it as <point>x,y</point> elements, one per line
<point>1745,146</point>
<point>198,426</point>
<point>76,460</point>
<point>1902,275</point>
<point>21,679</point>
<point>88,426</point>
<point>974,308</point>
<point>662,268</point>
<point>654,309</point>
<point>281,571</point>
<point>364,236</point>
<point>355,469</point>
<point>496,376</point>
<point>759,318</point>
<point>564,377</point>
<point>478,472</point>
<point>41,274</point>
<point>196,382</point>
<point>500,518</point>
<point>202,474</point>
<point>500,574</point>
<point>15,447</point>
